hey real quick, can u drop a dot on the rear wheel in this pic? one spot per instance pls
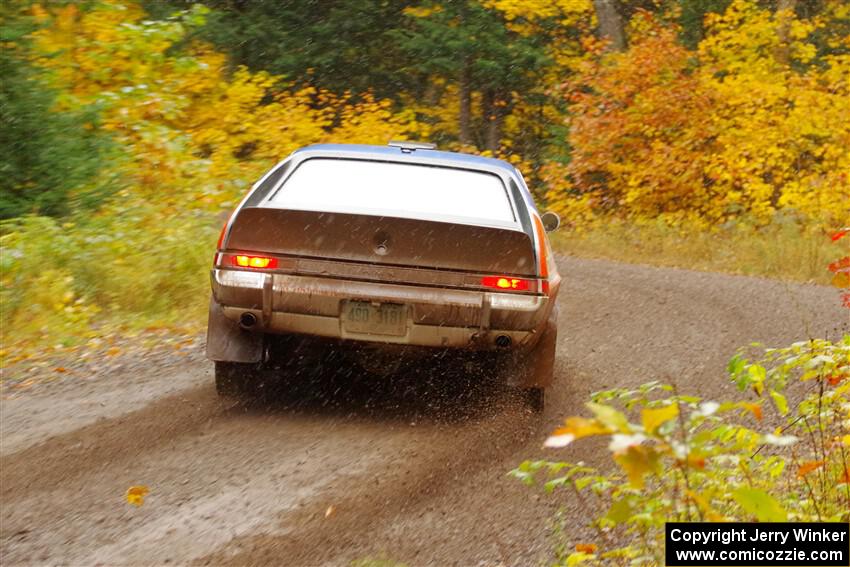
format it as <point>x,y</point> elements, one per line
<point>234,378</point>
<point>533,372</point>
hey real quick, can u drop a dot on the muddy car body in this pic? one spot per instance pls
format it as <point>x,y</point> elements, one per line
<point>397,246</point>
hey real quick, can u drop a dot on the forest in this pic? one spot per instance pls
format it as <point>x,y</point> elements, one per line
<point>130,129</point>
<point>711,135</point>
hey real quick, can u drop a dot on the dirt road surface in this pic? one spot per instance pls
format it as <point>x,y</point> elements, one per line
<point>340,467</point>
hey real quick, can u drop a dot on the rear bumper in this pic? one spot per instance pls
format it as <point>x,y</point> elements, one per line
<point>436,317</point>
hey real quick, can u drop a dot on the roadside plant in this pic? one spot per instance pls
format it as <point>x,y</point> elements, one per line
<point>683,458</point>
<point>779,454</point>
<point>840,268</point>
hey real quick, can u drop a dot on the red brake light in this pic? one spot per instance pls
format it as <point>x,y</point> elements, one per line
<point>506,283</point>
<point>244,261</point>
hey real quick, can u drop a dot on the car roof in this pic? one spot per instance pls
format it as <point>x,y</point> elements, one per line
<point>421,156</point>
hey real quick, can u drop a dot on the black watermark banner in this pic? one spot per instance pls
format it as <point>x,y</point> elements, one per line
<point>741,544</point>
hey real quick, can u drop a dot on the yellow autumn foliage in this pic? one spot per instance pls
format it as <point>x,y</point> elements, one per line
<point>182,115</point>
<point>194,135</point>
<point>751,123</point>
<point>747,126</point>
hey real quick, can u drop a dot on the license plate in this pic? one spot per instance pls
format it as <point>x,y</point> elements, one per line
<point>368,318</point>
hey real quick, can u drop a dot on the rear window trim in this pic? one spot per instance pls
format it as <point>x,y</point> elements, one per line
<point>281,170</point>
<point>515,223</point>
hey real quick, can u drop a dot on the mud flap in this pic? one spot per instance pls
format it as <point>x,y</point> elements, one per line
<point>228,342</point>
<point>535,369</point>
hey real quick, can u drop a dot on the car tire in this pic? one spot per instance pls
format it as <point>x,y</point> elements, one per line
<point>233,378</point>
<point>535,399</point>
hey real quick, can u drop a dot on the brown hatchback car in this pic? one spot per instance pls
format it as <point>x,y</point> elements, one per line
<point>400,248</point>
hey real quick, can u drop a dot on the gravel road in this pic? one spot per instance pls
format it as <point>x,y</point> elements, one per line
<point>338,467</point>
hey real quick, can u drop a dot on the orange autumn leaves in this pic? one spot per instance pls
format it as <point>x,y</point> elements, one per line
<point>628,443</point>
<point>841,268</point>
<point>702,137</point>
<point>808,467</point>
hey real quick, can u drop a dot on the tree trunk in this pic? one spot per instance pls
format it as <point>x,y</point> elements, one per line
<point>465,96</point>
<point>784,15</point>
<point>493,111</point>
<point>610,24</point>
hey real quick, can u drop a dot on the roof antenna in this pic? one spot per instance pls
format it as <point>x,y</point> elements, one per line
<point>410,147</point>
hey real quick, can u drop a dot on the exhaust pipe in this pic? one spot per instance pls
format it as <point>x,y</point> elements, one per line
<point>503,341</point>
<point>247,320</point>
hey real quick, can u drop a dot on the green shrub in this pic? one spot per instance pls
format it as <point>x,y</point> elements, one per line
<point>50,160</point>
<point>128,267</point>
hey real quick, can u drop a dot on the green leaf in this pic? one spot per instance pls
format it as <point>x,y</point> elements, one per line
<point>551,485</point>
<point>736,364</point>
<point>757,375</point>
<point>610,417</point>
<point>760,504</point>
<point>620,511</point>
<point>776,467</point>
<point>780,402</point>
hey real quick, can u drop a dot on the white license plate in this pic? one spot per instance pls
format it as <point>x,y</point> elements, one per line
<point>368,318</point>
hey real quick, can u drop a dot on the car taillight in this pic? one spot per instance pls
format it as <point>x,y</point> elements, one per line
<point>263,262</point>
<point>505,283</point>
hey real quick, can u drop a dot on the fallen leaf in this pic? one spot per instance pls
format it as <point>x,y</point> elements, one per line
<point>60,369</point>
<point>586,547</point>
<point>136,495</point>
<point>329,512</point>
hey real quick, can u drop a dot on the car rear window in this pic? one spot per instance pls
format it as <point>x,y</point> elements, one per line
<point>395,189</point>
